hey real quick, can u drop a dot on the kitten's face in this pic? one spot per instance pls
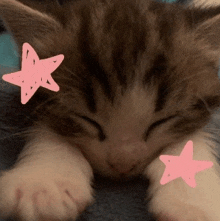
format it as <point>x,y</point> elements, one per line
<point>136,78</point>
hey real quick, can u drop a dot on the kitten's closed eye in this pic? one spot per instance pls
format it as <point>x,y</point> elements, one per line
<point>158,123</point>
<point>101,134</point>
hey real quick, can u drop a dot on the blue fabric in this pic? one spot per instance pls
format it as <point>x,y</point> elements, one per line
<point>8,54</point>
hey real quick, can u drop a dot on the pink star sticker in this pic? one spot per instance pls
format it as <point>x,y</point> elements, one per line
<point>183,166</point>
<point>34,73</point>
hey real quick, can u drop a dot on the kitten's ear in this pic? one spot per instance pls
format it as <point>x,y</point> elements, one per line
<point>27,24</point>
<point>210,31</point>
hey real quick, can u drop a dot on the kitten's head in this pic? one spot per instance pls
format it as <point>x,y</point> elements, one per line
<point>137,77</point>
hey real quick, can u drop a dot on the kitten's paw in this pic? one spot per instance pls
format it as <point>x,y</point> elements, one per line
<point>177,211</point>
<point>39,196</point>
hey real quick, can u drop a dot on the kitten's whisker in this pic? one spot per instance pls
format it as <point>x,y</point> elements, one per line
<point>18,134</point>
<point>206,105</point>
<point>71,72</point>
<point>43,103</point>
<point>63,78</point>
<point>213,129</point>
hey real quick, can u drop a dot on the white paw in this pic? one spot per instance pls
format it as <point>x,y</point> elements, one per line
<point>43,196</point>
<point>181,212</point>
<point>175,210</point>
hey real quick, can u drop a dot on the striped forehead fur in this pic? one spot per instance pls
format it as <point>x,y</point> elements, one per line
<point>113,54</point>
<point>114,45</point>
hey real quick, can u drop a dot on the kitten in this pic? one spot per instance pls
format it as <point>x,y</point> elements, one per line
<point>139,79</point>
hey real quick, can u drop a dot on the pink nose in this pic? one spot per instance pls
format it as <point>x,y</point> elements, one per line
<point>122,168</point>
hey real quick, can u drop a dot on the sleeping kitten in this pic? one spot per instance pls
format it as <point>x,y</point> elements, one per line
<point>139,79</point>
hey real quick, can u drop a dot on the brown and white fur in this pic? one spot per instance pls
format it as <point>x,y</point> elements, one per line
<point>139,79</point>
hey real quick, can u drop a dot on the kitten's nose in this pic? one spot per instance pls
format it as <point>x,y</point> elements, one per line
<point>122,168</point>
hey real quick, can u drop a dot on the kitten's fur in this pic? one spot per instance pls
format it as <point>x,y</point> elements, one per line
<point>139,79</point>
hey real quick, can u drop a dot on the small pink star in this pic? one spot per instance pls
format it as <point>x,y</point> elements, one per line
<point>34,73</point>
<point>183,166</point>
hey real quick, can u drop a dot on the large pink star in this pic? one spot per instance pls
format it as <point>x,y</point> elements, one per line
<point>183,166</point>
<point>34,73</point>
